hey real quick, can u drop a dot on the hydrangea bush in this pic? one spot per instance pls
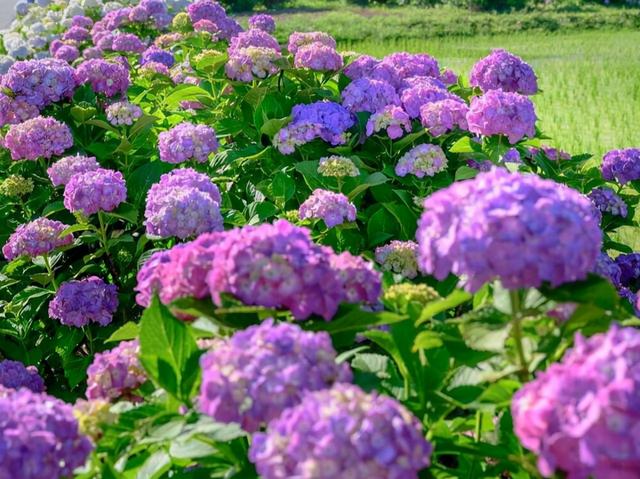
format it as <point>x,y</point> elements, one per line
<point>227,253</point>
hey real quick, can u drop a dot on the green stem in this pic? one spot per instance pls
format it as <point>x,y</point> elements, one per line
<point>516,329</point>
<point>52,276</point>
<point>105,244</point>
<point>87,333</point>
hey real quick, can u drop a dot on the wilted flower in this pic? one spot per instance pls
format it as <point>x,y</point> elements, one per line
<point>77,303</point>
<point>501,70</point>
<point>332,208</point>
<point>422,160</point>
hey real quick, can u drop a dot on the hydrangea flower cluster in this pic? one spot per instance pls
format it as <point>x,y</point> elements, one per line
<point>15,110</point>
<point>332,208</point>
<point>517,228</point>
<point>422,160</point>
<point>123,113</point>
<point>77,303</point>
<point>400,257</point>
<point>62,170</point>
<point>391,118</point>
<point>92,416</point>
<point>443,116</point>
<point>253,38</point>
<point>247,64</point>
<point>337,166</point>
<point>67,53</point>
<point>420,94</point>
<point>361,283</point>
<point>579,416</point>
<point>501,70</point>
<point>360,67</point>
<point>40,137</point>
<point>398,67</point>
<point>105,77</point>
<point>369,95</point>
<point>502,113</point>
<point>155,54</point>
<point>95,190</point>
<point>115,373</point>
<point>607,201</point>
<point>342,432</point>
<point>404,293</point>
<point>622,166</point>
<point>608,268</point>
<point>127,43</point>
<point>183,203</point>
<point>256,374</point>
<point>629,265</point>
<point>318,56</point>
<point>40,236</point>
<point>553,154</point>
<point>15,375</point>
<point>263,22</point>
<point>323,119</point>
<point>16,185</point>
<point>298,40</point>
<point>76,34</point>
<point>211,11</point>
<point>40,437</point>
<point>187,141</point>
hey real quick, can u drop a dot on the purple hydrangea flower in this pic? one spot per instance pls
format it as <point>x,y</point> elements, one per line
<point>107,78</point>
<point>607,201</point>
<point>360,67</point>
<point>502,113</point>
<point>622,166</point>
<point>92,53</point>
<point>332,208</point>
<point>40,236</point>
<point>553,154</point>
<point>155,54</point>
<point>323,119</point>
<point>68,53</point>
<point>391,118</point>
<point>95,190</point>
<point>342,432</point>
<point>518,228</point>
<point>501,70</point>
<point>206,10</point>
<point>319,57</point>
<point>127,42</point>
<point>183,203</point>
<point>81,21</point>
<point>298,40</point>
<point>168,39</point>
<point>138,15</point>
<point>115,373</point>
<point>39,137</point>
<point>253,38</point>
<point>397,67</point>
<point>77,303</point>
<point>123,113</point>
<point>420,94</point>
<point>608,268</point>
<point>579,416</point>
<point>16,110</point>
<point>449,77</point>
<point>399,257</point>
<point>187,141</point>
<point>62,170</point>
<point>250,63</point>
<point>15,375</point>
<point>76,34</point>
<point>430,82</point>
<point>153,68</point>
<point>256,374</point>
<point>512,155</point>
<point>369,95</point>
<point>422,160</point>
<point>361,283</point>
<point>629,265</point>
<point>40,437</point>
<point>263,22</point>
<point>443,116</point>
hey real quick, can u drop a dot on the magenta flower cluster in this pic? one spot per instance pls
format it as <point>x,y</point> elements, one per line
<point>16,110</point>
<point>40,236</point>
<point>184,203</point>
<point>211,11</point>
<point>105,77</point>
<point>253,38</point>
<point>90,300</point>
<point>187,141</point>
<point>443,116</point>
<point>318,56</point>
<point>393,119</point>
<point>256,374</point>
<point>501,70</point>
<point>332,208</point>
<point>415,97</point>
<point>95,190</point>
<point>395,68</point>
<point>298,40</point>
<point>607,201</point>
<point>39,137</point>
<point>622,166</point>
<point>15,375</point>
<point>342,432</point>
<point>40,437</point>
<point>263,22</point>
<point>517,228</point>
<point>62,170</point>
<point>115,373</point>
<point>369,95</point>
<point>580,416</point>
<point>127,43</point>
<point>422,160</point>
<point>361,283</point>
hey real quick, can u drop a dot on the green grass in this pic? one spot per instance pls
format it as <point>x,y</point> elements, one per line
<point>590,80</point>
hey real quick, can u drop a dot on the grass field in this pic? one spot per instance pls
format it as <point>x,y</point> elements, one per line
<point>590,80</point>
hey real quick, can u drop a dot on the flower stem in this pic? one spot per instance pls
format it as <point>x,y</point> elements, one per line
<point>52,277</point>
<point>105,244</point>
<point>516,329</point>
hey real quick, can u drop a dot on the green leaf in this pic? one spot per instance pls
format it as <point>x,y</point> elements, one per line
<point>352,318</point>
<point>104,125</point>
<point>594,290</point>
<point>125,211</point>
<point>283,187</point>
<point>273,126</point>
<point>427,340</point>
<point>456,298</point>
<point>127,331</point>
<point>155,466</point>
<point>75,228</point>
<point>143,124</point>
<point>465,173</point>
<point>186,92</point>
<point>465,145</point>
<point>373,179</point>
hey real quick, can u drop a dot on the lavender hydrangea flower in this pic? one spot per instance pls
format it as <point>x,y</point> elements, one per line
<point>622,166</point>
<point>443,116</point>
<point>400,257</point>
<point>337,166</point>
<point>449,77</point>
<point>607,201</point>
<point>123,113</point>
<point>92,53</point>
<point>183,203</point>
<point>256,374</point>
<point>502,113</point>
<point>553,154</point>
<point>40,236</point>
<point>76,34</point>
<point>391,118</point>
<point>319,57</point>
<point>360,67</point>
<point>77,303</point>
<point>422,160</point>
<point>40,137</point>
<point>16,110</point>
<point>417,96</point>
<point>15,375</point>
<point>127,42</point>
<point>115,373</point>
<point>40,437</point>
<point>609,269</point>
<point>342,432</point>
<point>332,208</point>
<point>107,78</point>
<point>361,283</point>
<point>250,63</point>
<point>62,170</point>
<point>512,155</point>
<point>397,67</point>
<point>154,68</point>
<point>326,120</point>
<point>369,95</point>
<point>298,40</point>
<point>501,70</point>
<point>253,38</point>
<point>95,190</point>
<point>187,141</point>
<point>155,54</point>
<point>585,438</point>
<point>263,22</point>
<point>81,21</point>
<point>67,53</point>
<point>518,228</point>
<point>629,265</point>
